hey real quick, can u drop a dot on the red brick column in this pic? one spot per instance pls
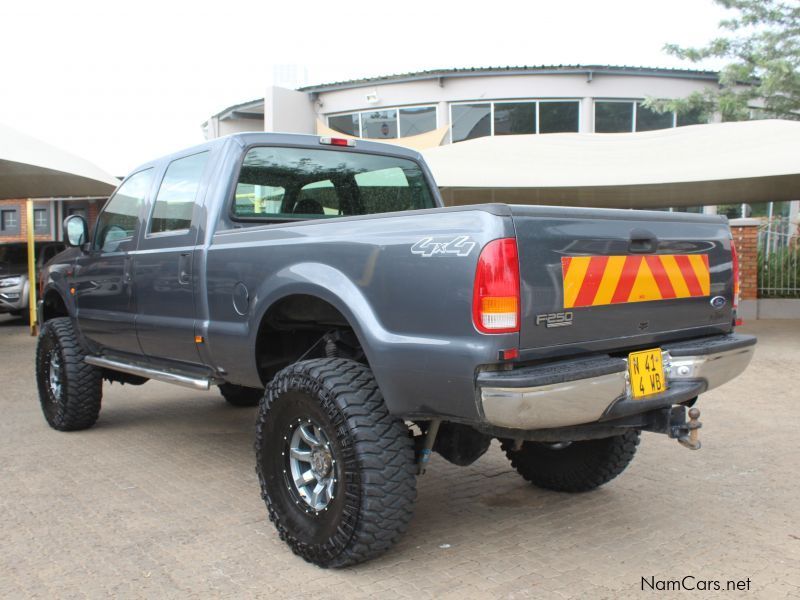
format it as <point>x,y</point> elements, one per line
<point>745,235</point>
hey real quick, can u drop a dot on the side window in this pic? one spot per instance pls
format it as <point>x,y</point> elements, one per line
<point>117,223</point>
<point>176,196</point>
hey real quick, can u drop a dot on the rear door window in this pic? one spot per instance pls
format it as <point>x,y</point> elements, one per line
<point>177,194</point>
<point>297,183</point>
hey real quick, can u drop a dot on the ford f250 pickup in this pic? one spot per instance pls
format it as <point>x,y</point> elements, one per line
<point>323,280</point>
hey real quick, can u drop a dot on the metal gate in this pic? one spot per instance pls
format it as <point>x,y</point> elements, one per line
<point>778,259</point>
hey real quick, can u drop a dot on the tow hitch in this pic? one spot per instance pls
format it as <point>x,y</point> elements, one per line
<point>688,433</point>
<point>673,423</point>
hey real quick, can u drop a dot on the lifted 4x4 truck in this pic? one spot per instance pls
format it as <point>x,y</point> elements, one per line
<point>323,280</point>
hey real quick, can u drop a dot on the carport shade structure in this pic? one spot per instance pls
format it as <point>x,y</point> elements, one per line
<point>32,169</point>
<point>750,161</point>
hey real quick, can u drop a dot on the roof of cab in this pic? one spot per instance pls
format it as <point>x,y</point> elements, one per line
<point>290,139</point>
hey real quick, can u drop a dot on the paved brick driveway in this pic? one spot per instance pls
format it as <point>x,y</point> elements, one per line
<point>160,499</point>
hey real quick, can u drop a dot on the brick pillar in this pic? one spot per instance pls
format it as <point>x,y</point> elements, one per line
<point>745,235</point>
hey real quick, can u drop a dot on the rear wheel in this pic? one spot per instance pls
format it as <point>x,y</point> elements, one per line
<point>573,466</point>
<point>70,390</point>
<point>336,469</point>
<point>238,395</point>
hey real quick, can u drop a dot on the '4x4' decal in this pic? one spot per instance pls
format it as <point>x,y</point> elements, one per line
<point>460,246</point>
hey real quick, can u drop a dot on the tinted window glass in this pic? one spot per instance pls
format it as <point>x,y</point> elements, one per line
<point>307,184</point>
<point>613,117</point>
<point>417,120</point>
<point>648,120</point>
<point>9,221</point>
<point>176,196</point>
<point>691,117</point>
<point>470,121</point>
<point>347,124</point>
<point>117,223</point>
<point>558,117</point>
<point>379,124</point>
<point>256,200</point>
<point>514,118</point>
<point>732,211</point>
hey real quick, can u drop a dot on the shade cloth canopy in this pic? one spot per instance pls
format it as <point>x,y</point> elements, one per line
<point>750,161</point>
<point>30,168</point>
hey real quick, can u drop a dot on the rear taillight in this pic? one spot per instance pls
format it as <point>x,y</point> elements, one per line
<point>495,299</point>
<point>735,265</point>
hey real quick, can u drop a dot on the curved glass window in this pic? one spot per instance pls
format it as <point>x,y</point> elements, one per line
<point>386,123</point>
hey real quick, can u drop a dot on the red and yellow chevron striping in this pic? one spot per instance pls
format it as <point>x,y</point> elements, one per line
<point>601,280</point>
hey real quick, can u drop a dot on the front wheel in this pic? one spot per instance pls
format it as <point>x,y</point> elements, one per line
<point>573,466</point>
<point>336,469</point>
<point>70,390</point>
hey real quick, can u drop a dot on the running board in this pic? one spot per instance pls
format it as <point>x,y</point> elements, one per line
<point>196,383</point>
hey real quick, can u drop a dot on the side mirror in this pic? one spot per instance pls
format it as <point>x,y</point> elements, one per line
<point>76,231</point>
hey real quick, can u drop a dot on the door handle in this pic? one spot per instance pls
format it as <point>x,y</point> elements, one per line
<point>642,242</point>
<point>126,270</point>
<point>185,268</point>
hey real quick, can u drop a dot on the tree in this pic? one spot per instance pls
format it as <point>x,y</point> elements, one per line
<point>764,72</point>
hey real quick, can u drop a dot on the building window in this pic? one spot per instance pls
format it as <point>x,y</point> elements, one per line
<point>650,120</point>
<point>80,211</point>
<point>514,118</point>
<point>9,221</point>
<point>417,120</point>
<point>474,120</point>
<point>558,117</point>
<point>622,116</point>
<point>41,220</point>
<point>389,123</point>
<point>379,124</point>
<point>470,121</point>
<point>346,124</point>
<point>613,117</point>
<point>692,117</point>
<point>732,211</point>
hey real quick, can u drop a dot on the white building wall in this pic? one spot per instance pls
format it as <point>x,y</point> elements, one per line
<point>578,86</point>
<point>288,111</point>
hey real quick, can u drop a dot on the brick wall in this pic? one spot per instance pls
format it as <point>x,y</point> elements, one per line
<point>22,215</point>
<point>746,239</point>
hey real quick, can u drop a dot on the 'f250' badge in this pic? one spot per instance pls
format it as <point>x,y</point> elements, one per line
<point>560,319</point>
<point>460,246</point>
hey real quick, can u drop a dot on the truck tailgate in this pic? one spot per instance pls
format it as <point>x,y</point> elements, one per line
<point>606,279</point>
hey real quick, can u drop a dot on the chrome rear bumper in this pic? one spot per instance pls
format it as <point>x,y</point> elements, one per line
<point>561,394</point>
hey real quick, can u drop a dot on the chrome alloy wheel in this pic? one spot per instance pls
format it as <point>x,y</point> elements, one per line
<point>311,464</point>
<point>54,376</point>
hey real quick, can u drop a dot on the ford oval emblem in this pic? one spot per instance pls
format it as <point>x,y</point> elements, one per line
<point>718,302</point>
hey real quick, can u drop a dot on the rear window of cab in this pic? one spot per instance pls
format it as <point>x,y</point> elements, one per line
<point>299,183</point>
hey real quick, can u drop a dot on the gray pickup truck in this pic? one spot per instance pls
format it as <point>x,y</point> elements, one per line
<point>322,280</point>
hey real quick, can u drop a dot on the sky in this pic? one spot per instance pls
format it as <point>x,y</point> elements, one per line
<point>121,82</point>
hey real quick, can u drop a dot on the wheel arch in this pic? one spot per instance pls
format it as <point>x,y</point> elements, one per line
<point>317,290</point>
<point>53,305</point>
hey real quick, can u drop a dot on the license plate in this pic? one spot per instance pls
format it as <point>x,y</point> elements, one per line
<point>646,373</point>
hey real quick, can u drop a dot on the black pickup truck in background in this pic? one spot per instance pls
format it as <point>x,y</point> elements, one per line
<point>323,280</point>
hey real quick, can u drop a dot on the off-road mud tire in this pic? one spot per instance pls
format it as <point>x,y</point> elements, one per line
<point>374,462</point>
<point>575,467</point>
<point>77,405</point>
